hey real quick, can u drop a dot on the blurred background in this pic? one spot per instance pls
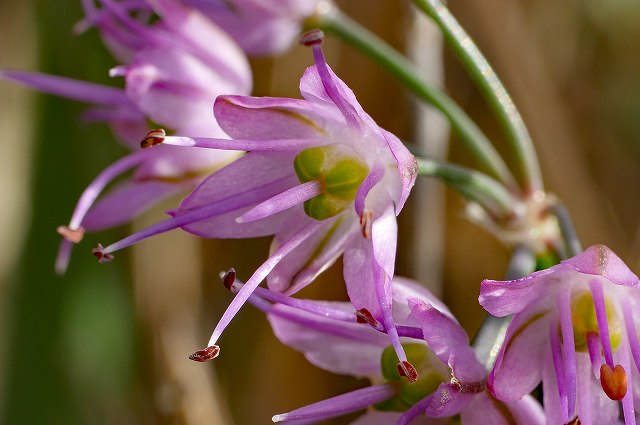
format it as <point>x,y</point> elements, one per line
<point>108,344</point>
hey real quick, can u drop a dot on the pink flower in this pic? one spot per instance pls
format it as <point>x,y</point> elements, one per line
<point>573,324</point>
<point>450,382</point>
<point>179,65</point>
<point>320,175</point>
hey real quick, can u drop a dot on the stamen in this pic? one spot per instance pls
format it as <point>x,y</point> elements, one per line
<point>364,316</point>
<point>613,381</point>
<point>230,203</point>
<point>558,366</point>
<point>340,405</point>
<point>229,278</point>
<point>101,255</point>
<point>259,275</point>
<point>71,235</point>
<point>278,145</point>
<point>569,348</point>
<point>415,411</point>
<point>628,400</point>
<point>96,187</point>
<point>376,174</point>
<point>601,318</point>
<point>593,344</point>
<point>314,39</point>
<point>383,292</point>
<point>205,354</point>
<point>283,201</point>
<point>407,370</point>
<point>632,335</point>
<point>574,421</point>
<point>153,138</point>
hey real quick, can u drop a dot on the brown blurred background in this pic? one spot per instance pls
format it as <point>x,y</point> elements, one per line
<point>108,344</point>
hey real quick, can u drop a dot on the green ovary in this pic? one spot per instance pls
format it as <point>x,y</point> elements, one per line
<point>430,376</point>
<point>340,173</point>
<point>583,316</point>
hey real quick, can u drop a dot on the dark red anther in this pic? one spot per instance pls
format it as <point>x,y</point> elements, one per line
<point>364,316</point>
<point>229,278</point>
<point>205,354</point>
<point>154,137</point>
<point>72,235</point>
<point>406,369</point>
<point>614,381</point>
<point>574,421</point>
<point>312,38</point>
<point>100,255</point>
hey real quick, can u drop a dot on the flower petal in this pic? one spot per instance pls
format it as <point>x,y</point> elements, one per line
<point>347,348</point>
<point>272,118</point>
<point>449,342</point>
<point>484,410</point>
<point>600,260</point>
<point>127,201</point>
<point>518,367</point>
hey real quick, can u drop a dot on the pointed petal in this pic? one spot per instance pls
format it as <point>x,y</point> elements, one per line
<point>127,201</point>
<point>358,275</point>
<point>272,118</point>
<point>449,342</point>
<point>404,289</point>
<point>384,238</point>
<point>447,401</point>
<point>407,167</point>
<point>483,410</point>
<point>347,348</point>
<point>518,367</point>
<point>207,41</point>
<point>502,298</point>
<point>600,260</point>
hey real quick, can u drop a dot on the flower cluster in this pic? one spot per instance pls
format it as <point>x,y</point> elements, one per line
<point>320,176</point>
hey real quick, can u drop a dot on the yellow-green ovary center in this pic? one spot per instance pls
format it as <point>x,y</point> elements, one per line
<point>340,174</point>
<point>583,316</point>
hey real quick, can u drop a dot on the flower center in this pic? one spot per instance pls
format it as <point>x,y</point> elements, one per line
<point>583,316</point>
<point>340,173</point>
<point>431,373</point>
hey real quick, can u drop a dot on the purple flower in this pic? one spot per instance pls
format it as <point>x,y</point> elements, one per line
<point>320,175</point>
<point>179,65</point>
<point>573,324</point>
<point>451,380</point>
<point>261,27</point>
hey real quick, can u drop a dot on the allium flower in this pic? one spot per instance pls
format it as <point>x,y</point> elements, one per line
<point>179,66</point>
<point>451,380</point>
<point>573,323</point>
<point>261,27</point>
<point>321,176</point>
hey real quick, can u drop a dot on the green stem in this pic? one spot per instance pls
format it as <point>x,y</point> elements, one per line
<point>572,243</point>
<point>492,89</point>
<point>474,185</point>
<point>334,22</point>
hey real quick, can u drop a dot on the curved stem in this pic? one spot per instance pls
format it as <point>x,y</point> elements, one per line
<point>474,185</point>
<point>492,89</point>
<point>334,22</point>
<point>572,243</point>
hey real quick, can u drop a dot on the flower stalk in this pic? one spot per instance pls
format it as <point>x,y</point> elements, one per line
<point>493,90</point>
<point>334,22</point>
